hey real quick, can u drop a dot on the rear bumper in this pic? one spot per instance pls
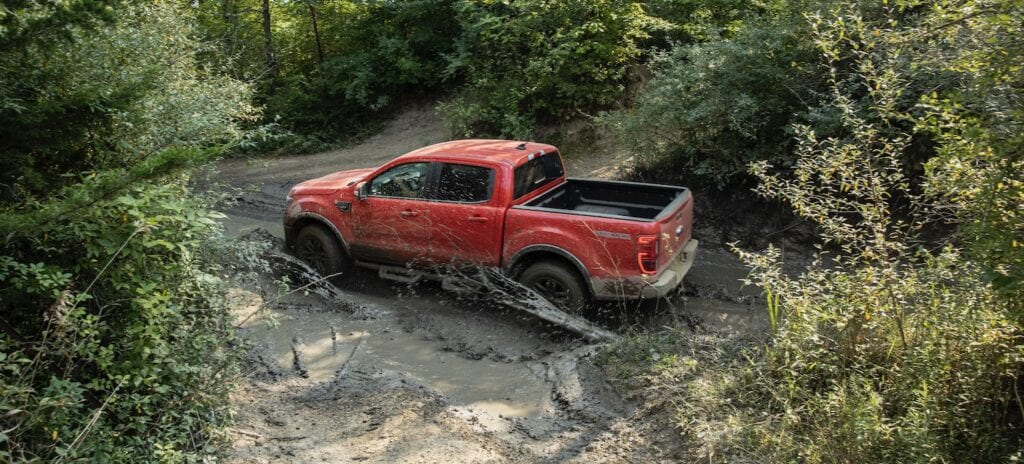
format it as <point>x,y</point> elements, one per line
<point>643,288</point>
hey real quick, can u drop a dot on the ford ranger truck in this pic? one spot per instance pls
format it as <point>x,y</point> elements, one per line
<point>501,204</point>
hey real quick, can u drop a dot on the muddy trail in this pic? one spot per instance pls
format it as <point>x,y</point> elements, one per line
<point>386,372</point>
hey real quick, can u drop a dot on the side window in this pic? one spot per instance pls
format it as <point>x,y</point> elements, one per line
<point>464,183</point>
<point>404,181</point>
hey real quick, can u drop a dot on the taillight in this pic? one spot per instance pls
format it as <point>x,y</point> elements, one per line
<point>647,253</point>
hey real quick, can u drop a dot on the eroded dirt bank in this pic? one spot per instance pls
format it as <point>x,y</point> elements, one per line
<point>381,372</point>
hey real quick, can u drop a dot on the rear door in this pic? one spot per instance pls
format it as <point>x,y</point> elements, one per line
<point>392,225</point>
<point>466,217</point>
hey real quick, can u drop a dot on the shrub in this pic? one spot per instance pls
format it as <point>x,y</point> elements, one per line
<point>891,347</point>
<point>534,61</point>
<point>109,98</point>
<point>115,341</point>
<point>712,108</point>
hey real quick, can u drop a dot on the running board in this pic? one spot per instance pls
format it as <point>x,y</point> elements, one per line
<point>400,274</point>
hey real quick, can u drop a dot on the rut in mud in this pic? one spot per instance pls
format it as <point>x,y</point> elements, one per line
<point>467,377</point>
<point>382,372</point>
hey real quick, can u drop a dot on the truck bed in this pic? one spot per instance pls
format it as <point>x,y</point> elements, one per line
<point>629,200</point>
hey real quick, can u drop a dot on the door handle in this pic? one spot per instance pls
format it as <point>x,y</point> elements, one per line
<point>409,213</point>
<point>476,219</point>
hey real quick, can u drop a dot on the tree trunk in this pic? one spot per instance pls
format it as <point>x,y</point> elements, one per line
<point>268,46</point>
<point>316,34</point>
<point>229,14</point>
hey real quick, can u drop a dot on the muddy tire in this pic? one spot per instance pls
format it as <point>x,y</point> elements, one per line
<point>558,284</point>
<point>317,247</point>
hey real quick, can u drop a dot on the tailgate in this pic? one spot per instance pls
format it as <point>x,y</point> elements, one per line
<point>676,227</point>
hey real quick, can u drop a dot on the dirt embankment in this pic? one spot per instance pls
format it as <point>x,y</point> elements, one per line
<point>380,372</point>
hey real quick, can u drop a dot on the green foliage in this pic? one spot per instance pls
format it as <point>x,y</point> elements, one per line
<point>713,108</point>
<point>377,54</point>
<point>535,61</point>
<point>115,344</point>
<point>114,336</point>
<point>109,98</point>
<point>510,65</point>
<point>979,166</point>
<point>690,22</point>
<point>890,353</point>
<point>891,347</point>
<point>884,362</point>
<point>371,58</point>
<point>24,22</point>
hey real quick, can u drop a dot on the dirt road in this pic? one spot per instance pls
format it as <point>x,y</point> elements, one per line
<point>381,372</point>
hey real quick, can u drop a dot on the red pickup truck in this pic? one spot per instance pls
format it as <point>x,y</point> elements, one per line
<point>502,204</point>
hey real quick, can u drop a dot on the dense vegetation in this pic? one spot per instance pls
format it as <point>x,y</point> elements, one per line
<point>113,330</point>
<point>902,343</point>
<point>895,126</point>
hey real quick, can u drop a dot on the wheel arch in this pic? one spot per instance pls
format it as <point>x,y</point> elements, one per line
<point>306,219</point>
<point>536,253</point>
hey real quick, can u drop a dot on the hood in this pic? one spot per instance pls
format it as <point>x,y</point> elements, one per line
<point>331,182</point>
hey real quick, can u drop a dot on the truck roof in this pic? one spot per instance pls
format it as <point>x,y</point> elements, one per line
<point>501,151</point>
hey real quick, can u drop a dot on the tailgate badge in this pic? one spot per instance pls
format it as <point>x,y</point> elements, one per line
<point>679,230</point>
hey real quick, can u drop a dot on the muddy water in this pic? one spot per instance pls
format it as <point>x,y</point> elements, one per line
<point>728,318</point>
<point>329,345</point>
<point>236,226</point>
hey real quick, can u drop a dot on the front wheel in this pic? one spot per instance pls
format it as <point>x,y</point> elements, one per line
<point>318,248</point>
<point>558,284</point>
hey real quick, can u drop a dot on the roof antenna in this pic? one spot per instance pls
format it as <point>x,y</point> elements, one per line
<point>521,146</point>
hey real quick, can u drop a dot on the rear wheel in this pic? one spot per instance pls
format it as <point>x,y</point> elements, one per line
<point>318,248</point>
<point>558,284</point>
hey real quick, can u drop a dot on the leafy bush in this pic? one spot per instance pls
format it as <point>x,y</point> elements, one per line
<point>892,353</point>
<point>533,61</point>
<point>110,97</point>
<point>712,108</point>
<point>690,22</point>
<point>115,335</point>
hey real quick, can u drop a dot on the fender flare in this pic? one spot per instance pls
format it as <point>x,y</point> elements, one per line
<point>323,221</point>
<point>519,255</point>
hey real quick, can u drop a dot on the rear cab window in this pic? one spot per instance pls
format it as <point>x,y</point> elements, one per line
<point>536,173</point>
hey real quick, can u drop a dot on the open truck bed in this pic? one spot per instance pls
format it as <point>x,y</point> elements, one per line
<point>631,200</point>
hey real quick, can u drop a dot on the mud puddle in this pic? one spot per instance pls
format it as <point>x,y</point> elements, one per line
<point>324,346</point>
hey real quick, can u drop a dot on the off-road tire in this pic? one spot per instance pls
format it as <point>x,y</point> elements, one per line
<point>317,247</point>
<point>558,284</point>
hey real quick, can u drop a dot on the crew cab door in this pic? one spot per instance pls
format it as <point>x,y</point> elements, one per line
<point>466,218</point>
<point>392,224</point>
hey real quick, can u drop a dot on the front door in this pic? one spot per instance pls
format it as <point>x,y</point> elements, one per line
<point>392,224</point>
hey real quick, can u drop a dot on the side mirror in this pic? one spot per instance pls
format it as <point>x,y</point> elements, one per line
<point>362,191</point>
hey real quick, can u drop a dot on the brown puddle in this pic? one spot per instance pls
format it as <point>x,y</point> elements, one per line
<point>729,318</point>
<point>330,344</point>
